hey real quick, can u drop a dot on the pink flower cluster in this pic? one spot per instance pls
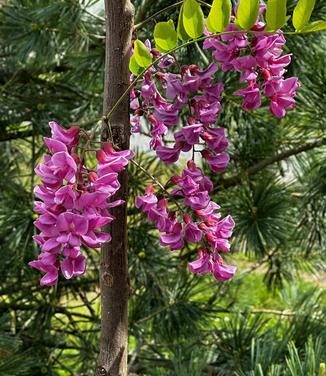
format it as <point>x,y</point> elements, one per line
<point>73,203</point>
<point>165,98</point>
<point>200,223</point>
<point>260,60</point>
<point>192,92</point>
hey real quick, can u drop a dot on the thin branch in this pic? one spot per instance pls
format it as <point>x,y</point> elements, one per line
<point>236,179</point>
<point>275,312</point>
<point>102,19</point>
<point>153,16</point>
<point>258,264</point>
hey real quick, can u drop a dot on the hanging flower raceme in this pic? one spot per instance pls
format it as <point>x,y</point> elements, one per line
<point>187,103</point>
<point>74,203</point>
<point>260,60</point>
<point>164,98</point>
<point>197,221</point>
<point>184,101</point>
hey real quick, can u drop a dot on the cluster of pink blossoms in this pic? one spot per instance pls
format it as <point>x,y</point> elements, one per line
<point>192,92</point>
<point>199,223</point>
<point>74,203</point>
<point>260,60</point>
<point>165,98</point>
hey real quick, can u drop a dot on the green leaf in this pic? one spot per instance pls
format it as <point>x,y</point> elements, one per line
<point>247,13</point>
<point>302,13</point>
<point>219,16</point>
<point>134,67</point>
<point>142,55</point>
<point>182,34</point>
<point>275,14</point>
<point>165,36</point>
<point>193,18</point>
<point>315,26</point>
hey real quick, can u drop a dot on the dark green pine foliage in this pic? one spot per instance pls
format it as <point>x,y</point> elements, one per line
<point>270,320</point>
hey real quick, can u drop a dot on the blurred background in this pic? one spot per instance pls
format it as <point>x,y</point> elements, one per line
<point>268,320</point>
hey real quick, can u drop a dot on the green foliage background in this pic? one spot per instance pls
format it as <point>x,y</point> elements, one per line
<point>269,320</point>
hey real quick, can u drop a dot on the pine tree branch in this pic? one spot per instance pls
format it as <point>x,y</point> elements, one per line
<point>34,307</point>
<point>5,136</point>
<point>236,179</point>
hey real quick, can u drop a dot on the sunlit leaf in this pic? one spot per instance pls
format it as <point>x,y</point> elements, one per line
<point>275,14</point>
<point>247,13</point>
<point>133,66</point>
<point>142,55</point>
<point>219,16</point>
<point>193,18</point>
<point>165,36</point>
<point>315,26</point>
<point>302,13</point>
<point>182,34</point>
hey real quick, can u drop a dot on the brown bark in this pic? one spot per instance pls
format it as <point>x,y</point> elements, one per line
<point>114,284</point>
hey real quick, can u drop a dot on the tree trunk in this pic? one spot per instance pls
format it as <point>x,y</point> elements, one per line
<point>114,282</point>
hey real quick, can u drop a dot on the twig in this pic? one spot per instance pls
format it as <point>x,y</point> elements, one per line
<point>234,180</point>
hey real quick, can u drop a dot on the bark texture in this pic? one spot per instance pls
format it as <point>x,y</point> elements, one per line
<point>114,282</point>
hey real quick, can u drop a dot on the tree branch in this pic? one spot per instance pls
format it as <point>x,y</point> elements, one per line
<point>114,279</point>
<point>236,179</point>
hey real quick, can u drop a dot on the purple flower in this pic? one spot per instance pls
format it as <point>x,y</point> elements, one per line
<point>46,263</point>
<point>166,62</point>
<point>149,90</point>
<point>188,186</point>
<point>71,227</point>
<point>215,139</point>
<point>205,110</point>
<point>108,183</point>
<point>110,160</point>
<point>73,266</point>
<point>203,264</point>
<point>55,146</point>
<point>68,137</point>
<point>148,201</point>
<point>66,197</point>
<point>281,93</point>
<point>165,112</point>
<point>214,93</point>
<point>173,86</point>
<point>95,200</point>
<point>207,263</point>
<point>197,201</point>
<point>191,133</point>
<point>221,271</point>
<point>192,233</point>
<point>225,227</point>
<point>173,239</point>
<point>251,96</point>
<point>168,155</point>
<point>244,63</point>
<point>217,163</point>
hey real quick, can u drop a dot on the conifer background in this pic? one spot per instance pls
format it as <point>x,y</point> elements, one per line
<point>269,320</point>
